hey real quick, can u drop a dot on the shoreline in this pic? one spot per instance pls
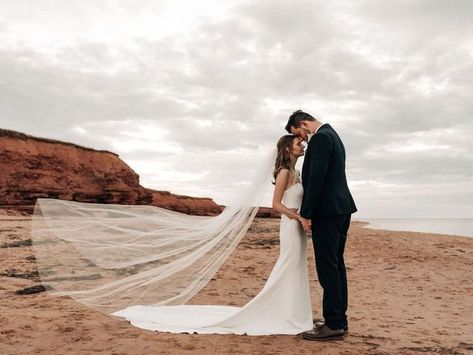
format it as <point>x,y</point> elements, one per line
<point>410,293</point>
<point>380,224</point>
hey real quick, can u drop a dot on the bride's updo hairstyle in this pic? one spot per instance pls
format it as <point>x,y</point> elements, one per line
<point>283,161</point>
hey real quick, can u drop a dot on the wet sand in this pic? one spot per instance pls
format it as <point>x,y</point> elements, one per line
<point>410,293</point>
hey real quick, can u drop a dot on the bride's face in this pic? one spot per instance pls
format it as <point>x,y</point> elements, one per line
<point>297,147</point>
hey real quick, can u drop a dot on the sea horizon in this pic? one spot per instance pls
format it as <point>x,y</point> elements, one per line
<point>451,226</point>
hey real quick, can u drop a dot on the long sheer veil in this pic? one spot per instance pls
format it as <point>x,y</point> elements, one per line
<point>110,256</point>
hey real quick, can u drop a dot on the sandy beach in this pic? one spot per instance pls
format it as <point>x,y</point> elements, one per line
<point>410,293</point>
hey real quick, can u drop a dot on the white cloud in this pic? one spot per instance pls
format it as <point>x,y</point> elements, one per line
<point>191,94</point>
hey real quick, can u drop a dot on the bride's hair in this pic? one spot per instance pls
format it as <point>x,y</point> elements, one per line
<point>283,156</point>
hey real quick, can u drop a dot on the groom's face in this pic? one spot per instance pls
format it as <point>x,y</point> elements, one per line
<point>301,132</point>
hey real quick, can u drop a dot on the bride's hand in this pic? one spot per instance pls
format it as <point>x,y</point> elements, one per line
<point>306,224</point>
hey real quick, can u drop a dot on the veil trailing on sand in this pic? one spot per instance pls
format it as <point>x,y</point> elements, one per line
<point>110,256</point>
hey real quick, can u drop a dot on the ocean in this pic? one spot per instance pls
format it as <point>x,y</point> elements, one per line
<point>462,227</point>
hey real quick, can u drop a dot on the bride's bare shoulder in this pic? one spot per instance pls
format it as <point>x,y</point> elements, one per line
<point>282,178</point>
<point>283,173</point>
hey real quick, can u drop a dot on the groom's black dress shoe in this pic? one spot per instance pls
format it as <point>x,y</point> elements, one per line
<point>323,332</point>
<point>320,322</point>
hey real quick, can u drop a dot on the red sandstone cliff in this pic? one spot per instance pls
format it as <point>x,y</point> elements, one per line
<point>32,167</point>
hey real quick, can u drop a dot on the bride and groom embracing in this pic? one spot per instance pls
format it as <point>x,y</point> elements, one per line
<point>317,203</point>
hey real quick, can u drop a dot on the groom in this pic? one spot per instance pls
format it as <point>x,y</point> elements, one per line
<point>326,208</point>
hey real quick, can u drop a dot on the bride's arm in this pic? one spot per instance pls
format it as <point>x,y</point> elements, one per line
<point>279,188</point>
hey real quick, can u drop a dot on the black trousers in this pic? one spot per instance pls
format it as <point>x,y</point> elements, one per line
<point>329,235</point>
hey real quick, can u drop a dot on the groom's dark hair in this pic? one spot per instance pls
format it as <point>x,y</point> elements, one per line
<point>296,118</point>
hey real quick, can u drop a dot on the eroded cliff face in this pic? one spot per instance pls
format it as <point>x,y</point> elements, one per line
<point>32,167</point>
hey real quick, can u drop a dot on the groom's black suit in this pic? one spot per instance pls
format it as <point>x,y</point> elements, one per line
<point>327,201</point>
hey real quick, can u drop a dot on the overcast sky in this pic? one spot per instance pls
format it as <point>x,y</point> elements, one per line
<point>192,93</point>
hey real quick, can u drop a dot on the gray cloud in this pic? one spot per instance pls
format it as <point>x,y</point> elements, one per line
<point>193,111</point>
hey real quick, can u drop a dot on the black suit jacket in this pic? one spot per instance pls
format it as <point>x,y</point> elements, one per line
<point>326,190</point>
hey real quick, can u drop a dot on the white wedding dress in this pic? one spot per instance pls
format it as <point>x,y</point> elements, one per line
<point>282,307</point>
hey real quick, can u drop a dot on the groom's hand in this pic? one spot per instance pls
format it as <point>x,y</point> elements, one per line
<point>306,224</point>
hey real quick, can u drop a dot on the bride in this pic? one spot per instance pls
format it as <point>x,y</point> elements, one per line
<point>283,305</point>
<point>143,263</point>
